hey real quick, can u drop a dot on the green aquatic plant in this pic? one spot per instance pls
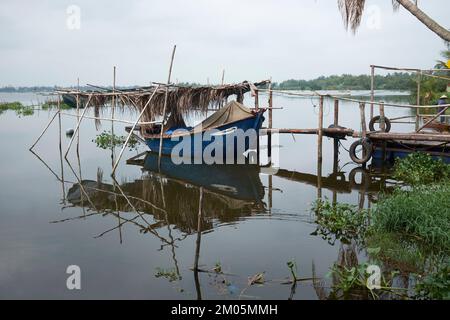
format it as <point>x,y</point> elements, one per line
<point>107,140</point>
<point>18,107</point>
<point>340,221</point>
<point>436,285</point>
<point>169,274</point>
<point>52,104</point>
<point>10,106</point>
<point>422,214</point>
<point>420,168</point>
<point>351,282</point>
<point>25,111</point>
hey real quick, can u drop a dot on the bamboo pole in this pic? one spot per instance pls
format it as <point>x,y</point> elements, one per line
<point>432,119</point>
<point>319,150</point>
<point>382,118</point>
<point>78,125</point>
<point>269,136</point>
<point>43,131</point>
<point>363,119</point>
<point>419,80</point>
<point>165,107</point>
<point>335,146</point>
<point>60,151</point>
<point>131,132</point>
<point>199,229</point>
<point>372,89</point>
<point>78,114</point>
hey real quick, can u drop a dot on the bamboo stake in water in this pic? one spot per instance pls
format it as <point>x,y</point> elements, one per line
<point>132,130</point>
<point>419,81</point>
<point>269,136</point>
<point>78,125</point>
<point>372,89</point>
<point>60,152</point>
<point>165,106</point>
<point>45,129</point>
<point>319,150</point>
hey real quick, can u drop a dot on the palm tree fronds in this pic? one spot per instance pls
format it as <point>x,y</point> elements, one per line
<point>351,11</point>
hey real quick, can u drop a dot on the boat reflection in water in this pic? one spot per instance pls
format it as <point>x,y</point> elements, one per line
<point>171,194</point>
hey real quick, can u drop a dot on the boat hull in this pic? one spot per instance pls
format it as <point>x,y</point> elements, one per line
<point>226,136</point>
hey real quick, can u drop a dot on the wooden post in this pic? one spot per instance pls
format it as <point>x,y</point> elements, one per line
<point>319,150</point>
<point>336,113</point>
<point>270,194</point>
<point>60,151</point>
<point>419,80</point>
<point>335,145</point>
<point>78,114</point>
<point>372,89</point>
<point>197,246</point>
<point>362,108</point>
<point>113,107</point>
<point>165,106</point>
<point>382,118</point>
<point>269,136</point>
<point>257,133</point>
<point>199,229</point>
<point>320,130</point>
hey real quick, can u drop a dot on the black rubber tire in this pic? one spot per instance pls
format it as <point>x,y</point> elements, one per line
<point>365,179</point>
<point>368,149</point>
<point>376,119</point>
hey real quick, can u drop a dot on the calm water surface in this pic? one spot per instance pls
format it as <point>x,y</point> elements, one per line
<point>52,216</point>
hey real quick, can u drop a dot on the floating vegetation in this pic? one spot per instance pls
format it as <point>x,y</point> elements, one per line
<point>108,140</point>
<point>421,168</point>
<point>352,282</point>
<point>217,267</point>
<point>169,274</point>
<point>18,107</point>
<point>435,285</point>
<point>52,104</point>
<point>341,221</point>
<point>256,279</point>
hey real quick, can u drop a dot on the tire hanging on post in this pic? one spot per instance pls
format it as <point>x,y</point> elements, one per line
<point>376,119</point>
<point>367,151</point>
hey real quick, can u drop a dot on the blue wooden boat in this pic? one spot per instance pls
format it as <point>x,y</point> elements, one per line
<point>386,154</point>
<point>225,124</point>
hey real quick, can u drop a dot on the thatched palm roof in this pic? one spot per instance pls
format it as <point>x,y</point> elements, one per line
<point>180,99</point>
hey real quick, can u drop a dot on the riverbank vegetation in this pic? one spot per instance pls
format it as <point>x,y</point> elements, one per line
<point>407,232</point>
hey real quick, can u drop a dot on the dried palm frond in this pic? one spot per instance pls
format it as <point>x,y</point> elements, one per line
<point>351,11</point>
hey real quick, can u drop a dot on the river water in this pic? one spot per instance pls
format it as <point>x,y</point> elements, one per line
<point>138,237</point>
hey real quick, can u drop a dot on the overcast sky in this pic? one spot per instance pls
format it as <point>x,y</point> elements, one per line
<point>251,40</point>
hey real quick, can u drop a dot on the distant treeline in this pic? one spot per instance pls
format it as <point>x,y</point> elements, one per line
<point>392,81</point>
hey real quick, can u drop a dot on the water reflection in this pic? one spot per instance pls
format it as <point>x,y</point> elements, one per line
<point>196,199</point>
<point>230,192</point>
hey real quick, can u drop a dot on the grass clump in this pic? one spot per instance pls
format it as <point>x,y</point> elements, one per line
<point>420,168</point>
<point>422,213</point>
